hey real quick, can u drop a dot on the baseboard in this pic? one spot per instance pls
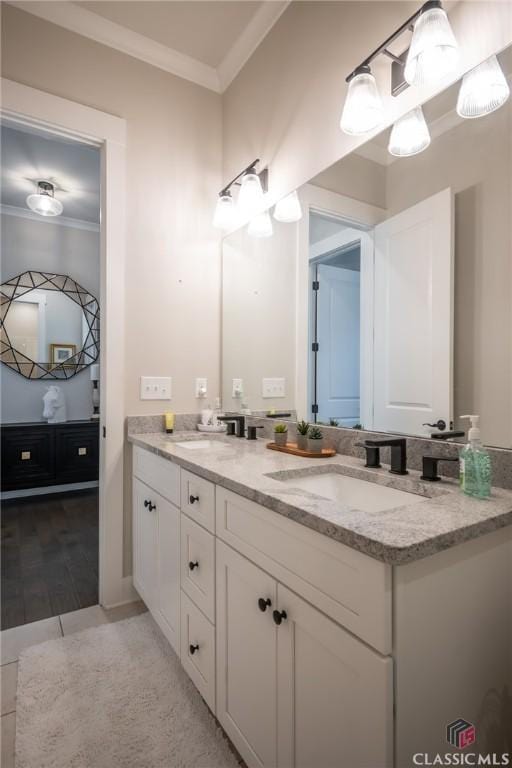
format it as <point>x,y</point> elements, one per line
<point>128,594</point>
<point>27,492</point>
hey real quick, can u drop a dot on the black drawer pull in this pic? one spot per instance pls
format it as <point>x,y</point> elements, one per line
<point>193,565</point>
<point>149,505</point>
<point>193,649</point>
<point>193,499</point>
<point>279,616</point>
<point>264,604</point>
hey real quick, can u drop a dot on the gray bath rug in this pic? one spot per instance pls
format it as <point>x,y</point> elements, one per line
<point>114,696</point>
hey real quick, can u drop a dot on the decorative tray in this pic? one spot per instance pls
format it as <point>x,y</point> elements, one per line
<point>295,451</point>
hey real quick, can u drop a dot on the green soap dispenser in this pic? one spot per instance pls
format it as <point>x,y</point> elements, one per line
<point>475,463</point>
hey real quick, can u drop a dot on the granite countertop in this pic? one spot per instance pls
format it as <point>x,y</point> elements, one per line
<point>444,518</point>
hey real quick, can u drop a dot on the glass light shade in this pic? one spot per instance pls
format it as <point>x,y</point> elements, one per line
<point>433,52</point>
<point>251,193</point>
<point>224,212</point>
<point>260,225</point>
<point>483,90</point>
<point>288,209</point>
<point>363,110</point>
<point>43,201</point>
<point>409,135</point>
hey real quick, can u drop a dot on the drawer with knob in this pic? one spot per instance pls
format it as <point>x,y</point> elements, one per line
<point>198,565</point>
<point>198,649</point>
<point>198,499</point>
<point>158,473</point>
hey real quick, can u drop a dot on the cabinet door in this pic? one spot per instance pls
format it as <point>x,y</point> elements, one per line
<point>169,570</point>
<point>145,532</point>
<point>246,657</point>
<point>334,693</point>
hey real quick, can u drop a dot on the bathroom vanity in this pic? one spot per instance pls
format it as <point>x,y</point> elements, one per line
<point>317,633</point>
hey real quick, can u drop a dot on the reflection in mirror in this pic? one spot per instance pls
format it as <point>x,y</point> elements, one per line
<point>49,326</point>
<point>389,304</point>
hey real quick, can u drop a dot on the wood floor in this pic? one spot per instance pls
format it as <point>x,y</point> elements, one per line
<point>49,556</point>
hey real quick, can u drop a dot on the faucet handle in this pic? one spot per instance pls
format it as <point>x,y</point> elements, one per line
<point>372,455</point>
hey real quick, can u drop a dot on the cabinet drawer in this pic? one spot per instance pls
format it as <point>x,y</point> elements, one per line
<point>198,566</point>
<point>161,475</point>
<point>198,499</point>
<point>28,457</point>
<point>77,453</point>
<point>352,588</point>
<point>198,649</point>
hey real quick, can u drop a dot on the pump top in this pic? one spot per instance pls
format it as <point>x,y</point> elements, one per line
<point>474,432</point>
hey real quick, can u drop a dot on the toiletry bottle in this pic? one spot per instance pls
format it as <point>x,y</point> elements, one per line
<point>475,463</point>
<point>169,423</point>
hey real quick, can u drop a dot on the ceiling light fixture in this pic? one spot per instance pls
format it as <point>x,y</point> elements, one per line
<point>261,225</point>
<point>432,54</point>
<point>44,201</point>
<point>288,209</point>
<point>410,134</point>
<point>483,90</point>
<point>251,199</point>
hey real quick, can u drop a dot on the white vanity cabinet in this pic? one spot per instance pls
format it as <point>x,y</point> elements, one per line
<point>145,538</point>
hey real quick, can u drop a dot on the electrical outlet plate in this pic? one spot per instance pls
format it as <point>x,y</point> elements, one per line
<point>237,389</point>
<point>155,387</point>
<point>273,388</point>
<point>201,387</point>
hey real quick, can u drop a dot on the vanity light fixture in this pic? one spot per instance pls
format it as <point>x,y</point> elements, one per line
<point>409,135</point>
<point>432,55</point>
<point>253,185</point>
<point>260,225</point>
<point>483,90</point>
<point>288,209</point>
<point>44,201</point>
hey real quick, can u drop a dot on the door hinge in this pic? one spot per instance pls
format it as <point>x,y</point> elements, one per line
<point>315,346</point>
<point>104,431</point>
<point>316,285</point>
<point>314,408</point>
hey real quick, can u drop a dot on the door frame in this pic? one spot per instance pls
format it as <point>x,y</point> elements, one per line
<point>61,117</point>
<point>363,217</point>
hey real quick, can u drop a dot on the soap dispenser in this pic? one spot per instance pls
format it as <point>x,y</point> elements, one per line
<point>475,463</point>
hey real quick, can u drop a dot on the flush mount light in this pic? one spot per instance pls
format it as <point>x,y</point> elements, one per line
<point>288,209</point>
<point>44,201</point>
<point>409,135</point>
<point>363,110</point>
<point>483,90</point>
<point>225,211</point>
<point>433,52</point>
<point>260,225</point>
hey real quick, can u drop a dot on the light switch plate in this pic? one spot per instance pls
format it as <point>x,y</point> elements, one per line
<point>273,388</point>
<point>155,387</point>
<point>201,387</point>
<point>237,389</point>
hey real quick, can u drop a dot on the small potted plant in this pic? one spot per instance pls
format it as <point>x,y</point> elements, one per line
<point>280,434</point>
<point>302,435</point>
<point>315,440</point>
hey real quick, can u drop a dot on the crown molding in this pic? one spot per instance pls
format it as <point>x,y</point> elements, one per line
<point>89,24</point>
<point>60,221</point>
<point>254,33</point>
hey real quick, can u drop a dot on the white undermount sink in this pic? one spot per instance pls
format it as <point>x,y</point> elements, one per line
<point>201,445</point>
<point>353,492</point>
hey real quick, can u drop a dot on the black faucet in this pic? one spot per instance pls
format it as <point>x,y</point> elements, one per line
<point>251,432</point>
<point>237,419</point>
<point>430,466</point>
<point>398,447</point>
<point>372,455</point>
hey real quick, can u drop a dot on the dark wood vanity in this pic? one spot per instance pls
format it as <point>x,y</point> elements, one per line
<point>39,454</point>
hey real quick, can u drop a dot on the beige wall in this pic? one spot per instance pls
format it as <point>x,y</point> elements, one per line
<point>356,177</point>
<point>285,104</point>
<point>173,174</point>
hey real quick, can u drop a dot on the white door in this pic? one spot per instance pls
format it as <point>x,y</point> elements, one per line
<point>145,533</point>
<point>169,570</point>
<point>335,696</point>
<point>338,336</point>
<point>246,657</point>
<point>414,317</point>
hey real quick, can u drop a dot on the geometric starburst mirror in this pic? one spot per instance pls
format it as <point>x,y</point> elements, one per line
<point>49,326</point>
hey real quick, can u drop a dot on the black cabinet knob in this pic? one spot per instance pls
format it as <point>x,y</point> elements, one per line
<point>193,499</point>
<point>263,603</point>
<point>193,565</point>
<point>279,616</point>
<point>149,505</point>
<point>193,649</point>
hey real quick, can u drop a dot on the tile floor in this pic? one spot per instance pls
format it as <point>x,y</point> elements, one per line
<point>13,641</point>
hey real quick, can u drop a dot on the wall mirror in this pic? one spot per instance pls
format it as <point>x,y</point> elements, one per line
<point>49,326</point>
<point>388,305</point>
